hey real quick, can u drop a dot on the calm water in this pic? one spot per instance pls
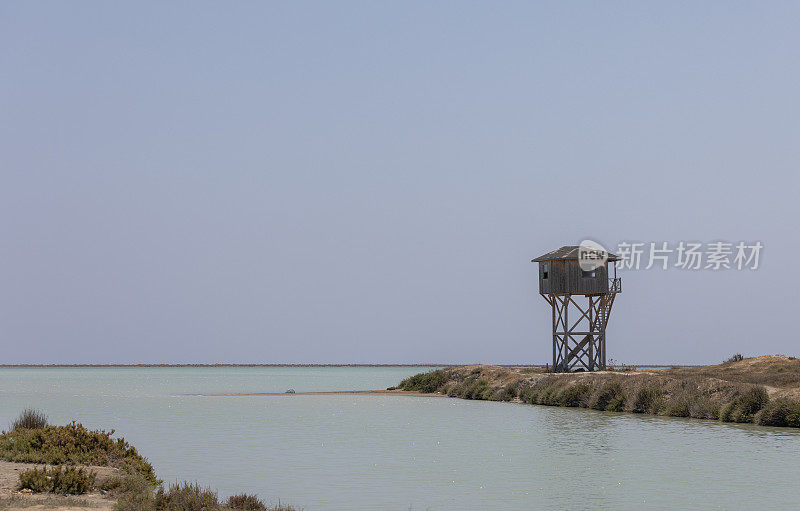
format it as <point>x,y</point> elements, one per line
<point>398,452</point>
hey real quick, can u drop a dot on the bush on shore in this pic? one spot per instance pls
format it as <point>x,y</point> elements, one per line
<point>185,497</point>
<point>245,502</point>
<point>190,497</point>
<point>425,382</point>
<point>30,419</point>
<point>744,407</point>
<point>647,400</point>
<point>649,394</point>
<point>473,387</point>
<point>610,397</point>
<point>72,444</point>
<point>64,480</point>
<point>135,486</point>
<point>779,413</point>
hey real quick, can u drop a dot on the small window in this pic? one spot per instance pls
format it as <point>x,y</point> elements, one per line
<point>590,274</point>
<point>544,271</point>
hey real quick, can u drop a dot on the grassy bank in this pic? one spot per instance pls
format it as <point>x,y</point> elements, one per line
<point>762,390</point>
<point>70,457</point>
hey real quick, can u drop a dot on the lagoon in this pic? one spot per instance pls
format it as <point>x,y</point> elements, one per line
<point>388,452</point>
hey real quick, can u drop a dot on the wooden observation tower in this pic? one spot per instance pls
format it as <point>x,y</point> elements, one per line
<point>579,329</point>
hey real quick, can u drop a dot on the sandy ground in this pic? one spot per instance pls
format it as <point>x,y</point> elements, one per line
<point>10,498</point>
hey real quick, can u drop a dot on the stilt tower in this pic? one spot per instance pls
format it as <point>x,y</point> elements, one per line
<point>575,281</point>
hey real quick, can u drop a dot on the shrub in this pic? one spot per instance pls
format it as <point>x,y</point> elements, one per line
<point>30,419</point>
<point>677,406</point>
<point>425,382</point>
<point>35,480</point>
<point>478,390</point>
<point>73,481</point>
<point>779,413</point>
<point>186,497</point>
<point>72,444</point>
<point>525,395</point>
<point>549,394</point>
<point>246,502</point>
<point>509,393</point>
<point>472,388</point>
<point>735,358</point>
<point>744,406</point>
<point>701,407</point>
<point>136,492</point>
<point>610,397</point>
<point>574,395</point>
<point>67,480</point>
<point>647,400</point>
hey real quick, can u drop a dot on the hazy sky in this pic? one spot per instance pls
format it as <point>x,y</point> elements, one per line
<point>368,181</point>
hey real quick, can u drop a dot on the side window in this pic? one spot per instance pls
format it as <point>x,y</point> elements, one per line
<point>545,270</point>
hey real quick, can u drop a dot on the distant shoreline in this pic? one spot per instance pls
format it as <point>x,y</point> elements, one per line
<point>34,366</point>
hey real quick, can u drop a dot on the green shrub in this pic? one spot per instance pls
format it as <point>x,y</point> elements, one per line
<point>744,407</point>
<point>647,400</point>
<point>472,388</point>
<point>30,419</point>
<point>701,407</point>
<point>72,444</point>
<point>67,480</point>
<point>525,394</point>
<point>779,413</point>
<point>135,491</point>
<point>425,382</point>
<point>478,390</point>
<point>610,397</point>
<point>186,497</point>
<point>35,480</point>
<point>509,393</point>
<point>677,406</point>
<point>246,502</point>
<point>735,358</point>
<point>574,395</point>
<point>73,481</point>
<point>550,395</point>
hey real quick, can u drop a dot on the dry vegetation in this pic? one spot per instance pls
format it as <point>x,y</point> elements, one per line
<point>763,390</point>
<point>69,460</point>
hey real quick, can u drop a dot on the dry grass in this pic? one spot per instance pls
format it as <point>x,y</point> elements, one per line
<point>29,419</point>
<point>777,371</point>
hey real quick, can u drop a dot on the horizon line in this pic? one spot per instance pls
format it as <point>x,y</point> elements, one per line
<point>426,364</point>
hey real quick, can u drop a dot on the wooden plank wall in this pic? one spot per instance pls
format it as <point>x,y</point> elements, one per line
<point>565,276</point>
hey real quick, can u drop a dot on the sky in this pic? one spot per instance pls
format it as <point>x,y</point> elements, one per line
<point>367,182</point>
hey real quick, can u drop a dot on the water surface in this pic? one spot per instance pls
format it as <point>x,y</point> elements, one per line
<point>379,452</point>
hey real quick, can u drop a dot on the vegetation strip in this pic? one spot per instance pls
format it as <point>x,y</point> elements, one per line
<point>734,391</point>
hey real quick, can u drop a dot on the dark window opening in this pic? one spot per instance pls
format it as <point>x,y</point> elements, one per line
<point>544,271</point>
<point>588,274</point>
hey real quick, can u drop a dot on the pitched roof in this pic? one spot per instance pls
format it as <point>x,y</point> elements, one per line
<point>567,252</point>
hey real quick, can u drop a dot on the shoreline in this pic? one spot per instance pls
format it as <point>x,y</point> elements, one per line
<point>761,390</point>
<point>397,392</point>
<point>91,366</point>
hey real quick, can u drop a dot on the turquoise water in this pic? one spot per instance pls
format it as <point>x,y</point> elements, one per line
<point>375,452</point>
